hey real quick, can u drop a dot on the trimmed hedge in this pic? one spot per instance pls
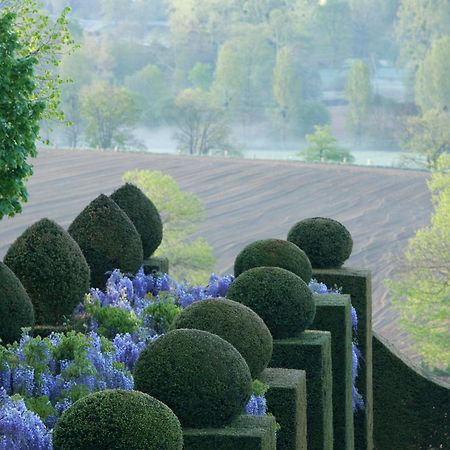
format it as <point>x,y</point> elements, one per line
<point>279,297</point>
<point>107,238</point>
<point>286,400</point>
<point>311,352</point>
<point>274,253</point>
<point>235,323</point>
<point>411,411</point>
<point>200,376</point>
<point>245,433</point>
<point>333,314</point>
<point>358,283</point>
<point>118,420</point>
<point>52,268</point>
<point>326,241</point>
<point>16,309</point>
<point>144,215</point>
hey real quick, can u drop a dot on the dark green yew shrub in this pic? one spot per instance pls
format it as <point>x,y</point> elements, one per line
<point>16,310</point>
<point>118,420</point>
<point>279,297</point>
<point>52,268</point>
<point>327,242</point>
<point>274,253</point>
<point>235,323</point>
<point>107,238</point>
<point>200,376</point>
<point>144,215</point>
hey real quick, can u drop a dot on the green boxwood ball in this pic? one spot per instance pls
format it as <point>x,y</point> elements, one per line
<point>52,269</point>
<point>235,323</point>
<point>327,242</point>
<point>144,215</point>
<point>274,253</point>
<point>279,297</point>
<point>118,420</point>
<point>16,309</point>
<point>199,375</point>
<point>107,238</point>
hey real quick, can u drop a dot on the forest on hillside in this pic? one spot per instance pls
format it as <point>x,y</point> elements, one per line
<point>218,75</point>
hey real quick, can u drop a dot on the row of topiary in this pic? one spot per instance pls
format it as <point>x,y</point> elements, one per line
<point>55,268</point>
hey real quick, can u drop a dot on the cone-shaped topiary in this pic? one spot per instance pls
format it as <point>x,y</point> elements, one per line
<point>52,268</point>
<point>199,375</point>
<point>235,323</point>
<point>279,297</point>
<point>144,215</point>
<point>327,242</point>
<point>16,309</point>
<point>107,238</point>
<point>119,420</point>
<point>274,253</point>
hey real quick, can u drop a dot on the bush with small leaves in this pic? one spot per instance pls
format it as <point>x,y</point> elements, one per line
<point>52,269</point>
<point>119,420</point>
<point>327,242</point>
<point>107,238</point>
<point>235,323</point>
<point>16,309</point>
<point>144,215</point>
<point>199,375</point>
<point>274,253</point>
<point>279,297</point>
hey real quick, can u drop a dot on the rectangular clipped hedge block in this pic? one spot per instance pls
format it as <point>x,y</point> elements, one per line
<point>311,352</point>
<point>245,433</point>
<point>286,400</point>
<point>358,284</point>
<point>333,314</point>
<point>156,264</point>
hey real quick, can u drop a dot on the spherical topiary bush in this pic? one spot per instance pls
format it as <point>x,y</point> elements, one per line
<point>16,309</point>
<point>235,323</point>
<point>281,298</point>
<point>274,253</point>
<point>327,242</point>
<point>107,238</point>
<point>199,375</point>
<point>52,268</point>
<point>118,420</point>
<point>143,213</point>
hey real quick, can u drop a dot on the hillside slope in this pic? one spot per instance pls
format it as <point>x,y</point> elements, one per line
<point>247,200</point>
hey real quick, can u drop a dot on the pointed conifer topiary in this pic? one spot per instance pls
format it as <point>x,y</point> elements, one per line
<point>52,268</point>
<point>144,215</point>
<point>16,310</point>
<point>107,238</point>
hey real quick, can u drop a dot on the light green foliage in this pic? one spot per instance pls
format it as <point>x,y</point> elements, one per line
<point>152,92</point>
<point>201,76</point>
<point>422,289</point>
<point>243,76</point>
<point>202,127</point>
<point>359,94</point>
<point>110,113</point>
<point>163,312</point>
<point>426,137</point>
<point>419,23</point>
<point>433,79</point>
<point>287,89</point>
<point>181,213</point>
<point>30,50</point>
<point>322,147</point>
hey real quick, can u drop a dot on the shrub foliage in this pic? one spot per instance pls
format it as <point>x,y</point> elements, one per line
<point>235,323</point>
<point>327,242</point>
<point>107,238</point>
<point>279,297</point>
<point>144,215</point>
<point>200,376</point>
<point>52,268</point>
